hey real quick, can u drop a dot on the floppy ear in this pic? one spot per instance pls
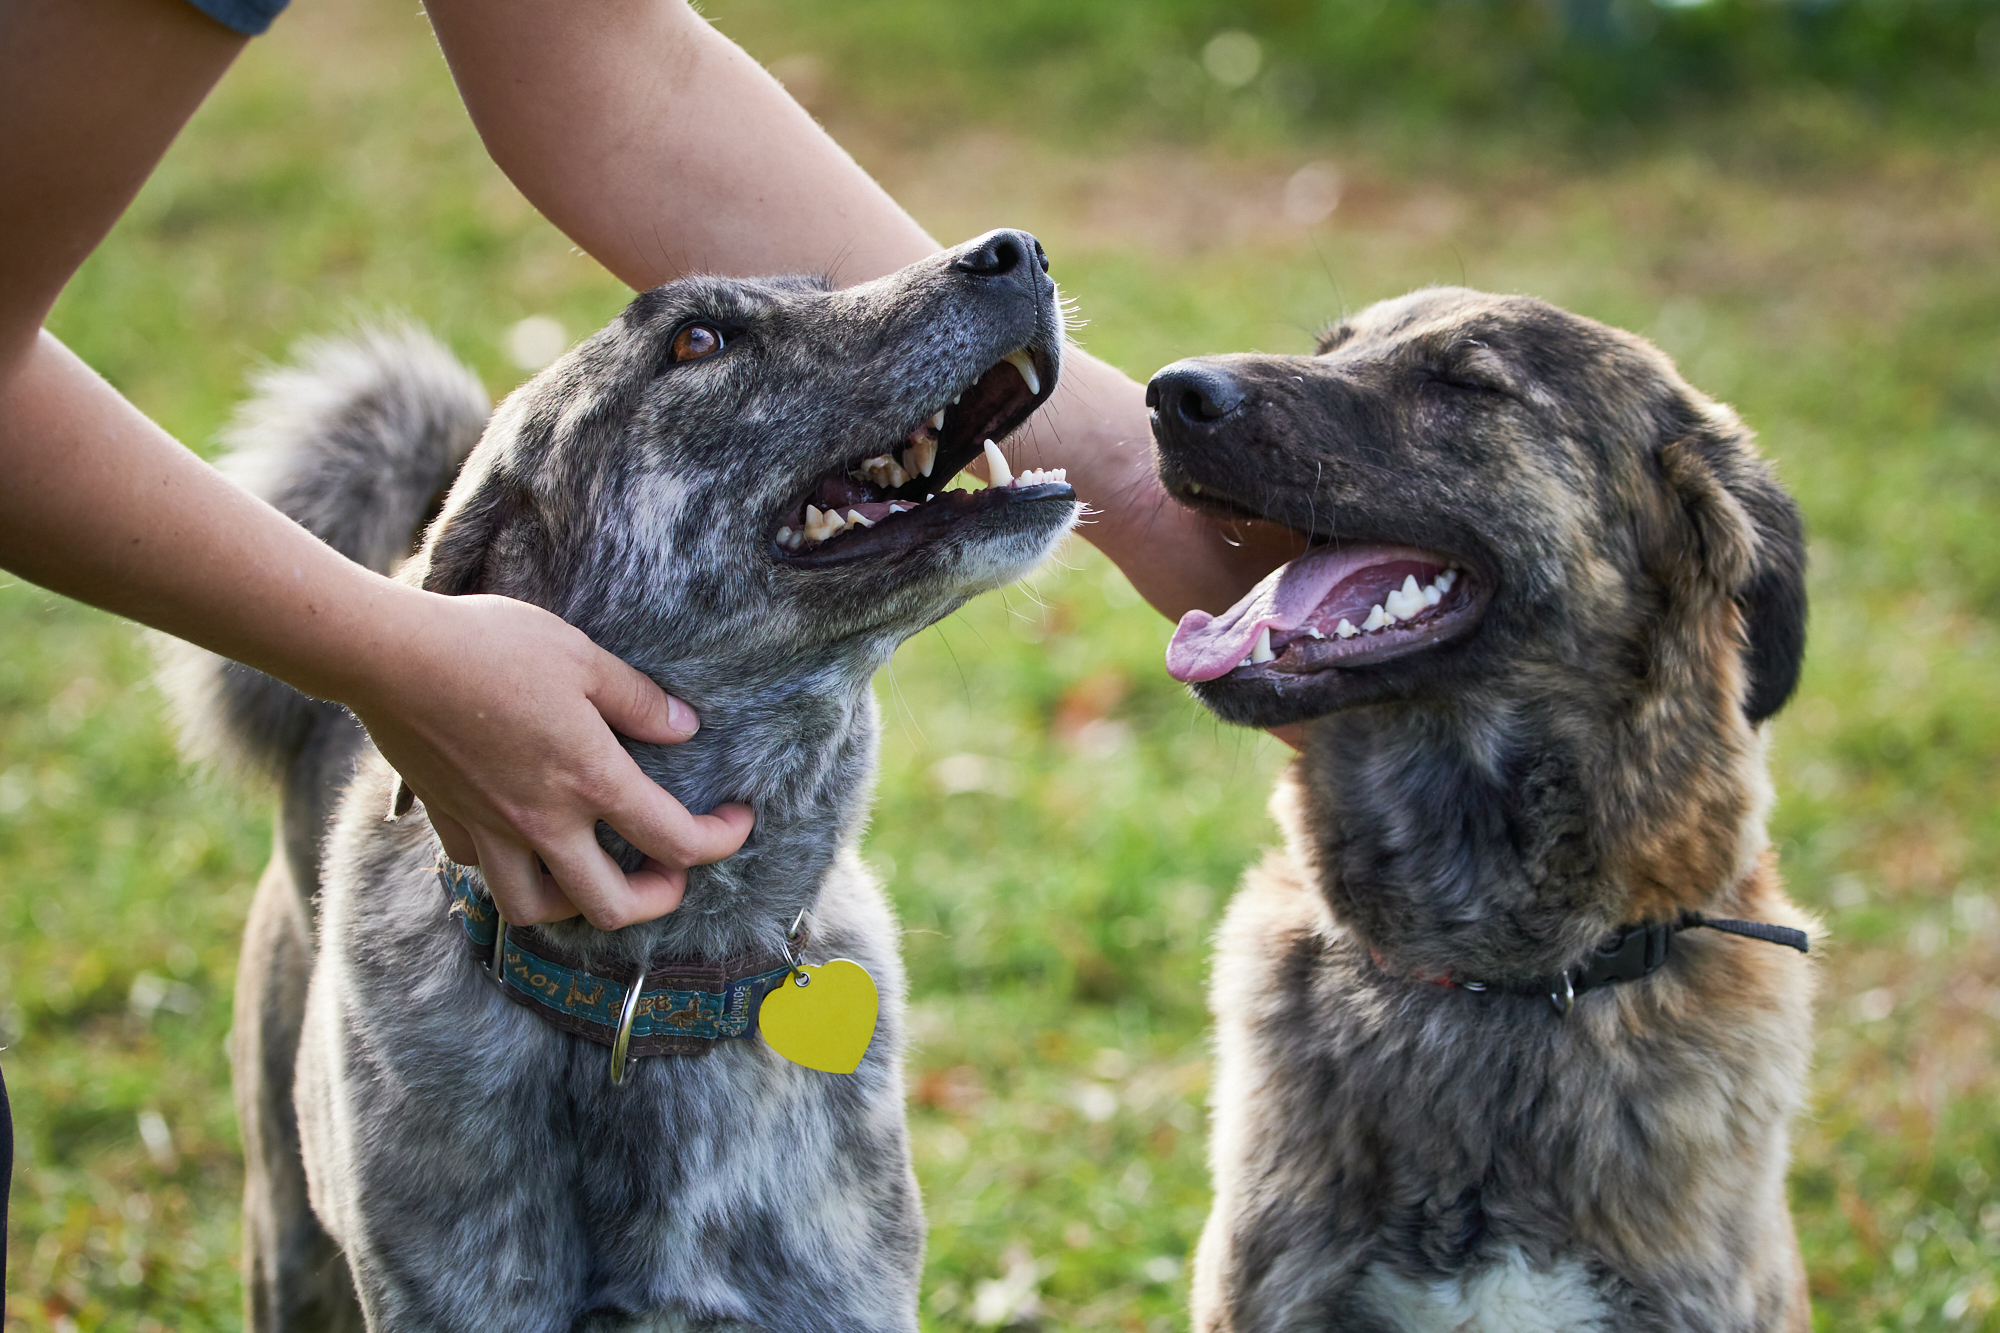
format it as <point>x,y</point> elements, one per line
<point>1751,543</point>
<point>1773,601</point>
<point>459,546</point>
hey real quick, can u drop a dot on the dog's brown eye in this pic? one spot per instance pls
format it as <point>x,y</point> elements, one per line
<point>695,342</point>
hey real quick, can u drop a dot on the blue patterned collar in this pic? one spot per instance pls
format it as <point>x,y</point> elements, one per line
<point>684,1006</point>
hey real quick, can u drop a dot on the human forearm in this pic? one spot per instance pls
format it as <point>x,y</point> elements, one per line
<point>508,745</point>
<point>662,149</point>
<point>103,506</point>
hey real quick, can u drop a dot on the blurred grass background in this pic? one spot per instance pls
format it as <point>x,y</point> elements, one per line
<point>1799,201</point>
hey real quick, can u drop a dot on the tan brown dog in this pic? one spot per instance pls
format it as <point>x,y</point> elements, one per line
<point>1477,1070</point>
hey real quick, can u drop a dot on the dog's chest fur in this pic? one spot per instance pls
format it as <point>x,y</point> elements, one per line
<point>1393,1155</point>
<point>1507,1296</point>
<point>734,1187</point>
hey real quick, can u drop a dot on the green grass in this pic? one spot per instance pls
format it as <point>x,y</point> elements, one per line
<point>1058,825</point>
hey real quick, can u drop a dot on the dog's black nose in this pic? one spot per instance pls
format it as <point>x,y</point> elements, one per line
<point>999,253</point>
<point>1195,393</point>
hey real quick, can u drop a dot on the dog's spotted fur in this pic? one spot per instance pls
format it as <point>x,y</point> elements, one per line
<point>1391,1154</point>
<point>471,1166</point>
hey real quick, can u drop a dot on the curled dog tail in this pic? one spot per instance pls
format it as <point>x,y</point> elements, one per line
<point>357,440</point>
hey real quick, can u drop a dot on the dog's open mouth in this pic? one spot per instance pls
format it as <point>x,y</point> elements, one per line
<point>1335,606</point>
<point>896,499</point>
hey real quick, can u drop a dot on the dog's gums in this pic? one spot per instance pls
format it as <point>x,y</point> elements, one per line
<point>904,487</point>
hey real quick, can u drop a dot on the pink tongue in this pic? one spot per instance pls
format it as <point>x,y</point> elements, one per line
<point>1205,647</point>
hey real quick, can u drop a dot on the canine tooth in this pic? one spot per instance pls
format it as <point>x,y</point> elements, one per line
<point>930,497</point>
<point>1377,618</point>
<point>1432,596</point>
<point>922,457</point>
<point>955,397</point>
<point>996,466</point>
<point>1261,652</point>
<point>1345,629</point>
<point>1194,488</point>
<point>1024,363</point>
<point>937,422</point>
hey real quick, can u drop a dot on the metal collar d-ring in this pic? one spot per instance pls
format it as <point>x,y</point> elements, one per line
<point>1565,999</point>
<point>623,1039</point>
<point>794,939</point>
<point>498,966</point>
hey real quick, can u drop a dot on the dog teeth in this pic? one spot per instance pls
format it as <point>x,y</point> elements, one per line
<point>1262,651</point>
<point>937,422</point>
<point>996,466</point>
<point>822,524</point>
<point>1036,476</point>
<point>898,507</point>
<point>920,458</point>
<point>886,472</point>
<point>1406,601</point>
<point>1024,363</point>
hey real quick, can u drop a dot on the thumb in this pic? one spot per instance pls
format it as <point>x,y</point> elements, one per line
<point>632,705</point>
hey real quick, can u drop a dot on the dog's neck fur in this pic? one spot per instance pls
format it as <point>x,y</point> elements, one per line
<point>1480,841</point>
<point>796,742</point>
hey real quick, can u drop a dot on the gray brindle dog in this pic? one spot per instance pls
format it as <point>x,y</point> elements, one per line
<point>1478,1069</point>
<point>739,487</point>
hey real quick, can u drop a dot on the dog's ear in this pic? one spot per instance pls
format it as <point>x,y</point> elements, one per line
<point>1749,544</point>
<point>458,550</point>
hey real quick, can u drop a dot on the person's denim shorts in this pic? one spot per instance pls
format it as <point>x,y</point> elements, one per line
<point>248,17</point>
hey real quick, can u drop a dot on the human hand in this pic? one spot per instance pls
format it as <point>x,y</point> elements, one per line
<point>509,746</point>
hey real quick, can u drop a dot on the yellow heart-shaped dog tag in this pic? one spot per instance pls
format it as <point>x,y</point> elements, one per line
<point>827,1021</point>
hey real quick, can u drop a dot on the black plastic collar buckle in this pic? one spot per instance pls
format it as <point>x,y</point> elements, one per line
<point>1627,954</point>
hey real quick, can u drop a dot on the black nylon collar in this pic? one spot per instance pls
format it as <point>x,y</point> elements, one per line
<point>1634,951</point>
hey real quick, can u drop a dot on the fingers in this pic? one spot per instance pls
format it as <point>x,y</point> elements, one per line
<point>662,828</point>
<point>634,706</point>
<point>606,896</point>
<point>453,836</point>
<point>525,895</point>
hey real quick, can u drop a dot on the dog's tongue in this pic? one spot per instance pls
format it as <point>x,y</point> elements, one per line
<point>1205,647</point>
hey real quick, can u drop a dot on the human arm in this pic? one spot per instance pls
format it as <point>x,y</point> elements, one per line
<point>102,505</point>
<point>661,148</point>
